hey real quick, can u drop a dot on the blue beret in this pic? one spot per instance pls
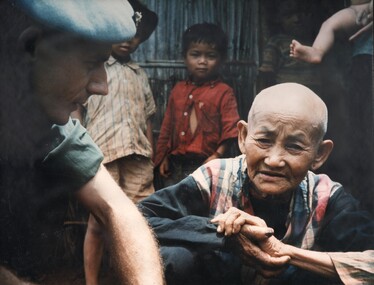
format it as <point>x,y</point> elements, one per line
<point>101,20</point>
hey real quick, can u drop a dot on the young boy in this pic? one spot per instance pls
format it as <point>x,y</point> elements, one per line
<point>120,122</point>
<point>201,116</point>
<point>357,18</point>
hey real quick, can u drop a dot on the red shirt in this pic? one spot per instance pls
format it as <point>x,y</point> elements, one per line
<point>216,112</point>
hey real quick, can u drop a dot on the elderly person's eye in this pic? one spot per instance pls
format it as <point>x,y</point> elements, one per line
<point>263,142</point>
<point>294,147</point>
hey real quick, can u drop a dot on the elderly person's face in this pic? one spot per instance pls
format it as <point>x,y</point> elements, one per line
<point>66,71</point>
<point>281,142</point>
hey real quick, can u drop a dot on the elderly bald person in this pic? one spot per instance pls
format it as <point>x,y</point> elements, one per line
<point>237,210</point>
<point>53,55</point>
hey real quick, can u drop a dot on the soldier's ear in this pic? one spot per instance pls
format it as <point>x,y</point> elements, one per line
<point>27,41</point>
<point>242,134</point>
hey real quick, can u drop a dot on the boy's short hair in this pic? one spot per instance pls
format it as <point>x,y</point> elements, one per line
<point>208,33</point>
<point>145,20</point>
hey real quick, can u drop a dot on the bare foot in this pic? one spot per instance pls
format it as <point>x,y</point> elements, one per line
<point>305,53</point>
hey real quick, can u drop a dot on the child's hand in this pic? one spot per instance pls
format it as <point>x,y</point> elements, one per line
<point>164,168</point>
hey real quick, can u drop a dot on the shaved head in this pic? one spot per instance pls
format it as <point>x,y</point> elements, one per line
<point>292,99</point>
<point>283,138</point>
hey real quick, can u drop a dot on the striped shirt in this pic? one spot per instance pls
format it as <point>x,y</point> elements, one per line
<point>117,122</point>
<point>354,268</point>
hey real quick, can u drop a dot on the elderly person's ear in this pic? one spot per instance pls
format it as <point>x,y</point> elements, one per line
<point>28,39</point>
<point>322,155</point>
<point>242,134</point>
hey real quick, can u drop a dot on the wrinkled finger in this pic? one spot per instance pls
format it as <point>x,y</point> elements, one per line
<point>229,223</point>
<point>237,224</point>
<point>261,258</point>
<point>255,221</point>
<point>220,220</point>
<point>265,272</point>
<point>256,232</point>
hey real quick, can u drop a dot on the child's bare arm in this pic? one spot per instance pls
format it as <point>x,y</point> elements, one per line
<point>343,21</point>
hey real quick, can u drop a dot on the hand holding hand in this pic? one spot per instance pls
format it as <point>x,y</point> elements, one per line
<point>270,245</point>
<point>231,222</point>
<point>266,255</point>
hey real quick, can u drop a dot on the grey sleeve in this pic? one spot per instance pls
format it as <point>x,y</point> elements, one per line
<point>74,156</point>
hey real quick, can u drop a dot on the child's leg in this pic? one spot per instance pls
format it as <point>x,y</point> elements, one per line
<point>342,21</point>
<point>305,53</point>
<point>136,177</point>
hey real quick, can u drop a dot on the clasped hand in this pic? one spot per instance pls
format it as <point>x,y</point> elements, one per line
<point>255,241</point>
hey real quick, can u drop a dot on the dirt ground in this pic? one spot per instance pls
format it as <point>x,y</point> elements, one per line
<point>65,277</point>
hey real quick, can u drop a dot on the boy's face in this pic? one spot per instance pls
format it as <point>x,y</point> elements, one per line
<point>202,61</point>
<point>123,50</point>
<point>66,71</point>
<point>296,23</point>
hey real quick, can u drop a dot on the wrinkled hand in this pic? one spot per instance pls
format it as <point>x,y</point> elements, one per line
<point>164,168</point>
<point>266,255</point>
<point>271,245</point>
<point>231,222</point>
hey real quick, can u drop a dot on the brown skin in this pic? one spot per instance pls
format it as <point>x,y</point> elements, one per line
<point>66,71</point>
<point>202,62</point>
<point>283,140</point>
<point>122,51</point>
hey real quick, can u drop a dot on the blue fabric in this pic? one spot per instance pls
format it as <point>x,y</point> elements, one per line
<point>363,44</point>
<point>108,21</point>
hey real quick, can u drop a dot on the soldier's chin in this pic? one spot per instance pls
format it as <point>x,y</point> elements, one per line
<point>60,118</point>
